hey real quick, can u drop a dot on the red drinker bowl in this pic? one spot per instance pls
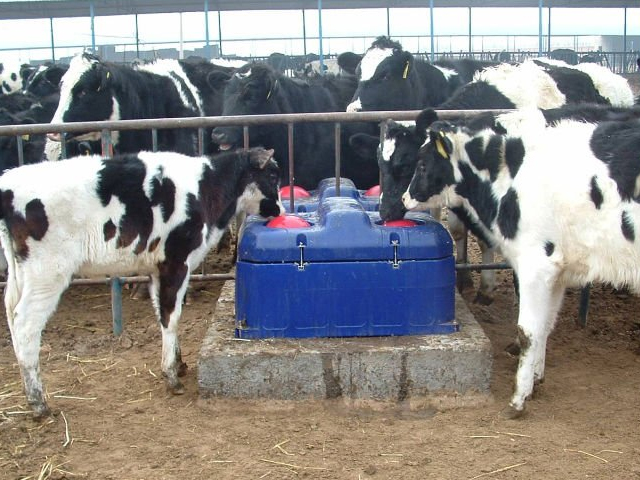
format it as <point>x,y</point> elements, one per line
<point>373,191</point>
<point>298,192</point>
<point>399,223</point>
<point>288,221</point>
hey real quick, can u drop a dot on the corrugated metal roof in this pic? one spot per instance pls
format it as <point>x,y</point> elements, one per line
<point>80,8</point>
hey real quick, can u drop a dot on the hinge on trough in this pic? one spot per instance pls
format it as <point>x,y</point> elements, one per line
<point>302,263</point>
<point>396,261</point>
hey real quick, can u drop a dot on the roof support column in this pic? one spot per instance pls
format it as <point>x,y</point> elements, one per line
<point>181,40</point>
<point>219,35</point>
<point>470,45</point>
<point>624,43</point>
<point>540,28</point>
<point>388,24</point>
<point>137,38</point>
<point>549,34</point>
<point>320,37</point>
<point>207,45</point>
<point>431,28</point>
<point>93,28</point>
<point>53,48</point>
<point>304,34</point>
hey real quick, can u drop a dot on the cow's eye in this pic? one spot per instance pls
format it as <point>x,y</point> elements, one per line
<point>81,93</point>
<point>273,178</point>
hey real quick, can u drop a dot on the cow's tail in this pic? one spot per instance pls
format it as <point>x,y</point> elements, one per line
<point>12,291</point>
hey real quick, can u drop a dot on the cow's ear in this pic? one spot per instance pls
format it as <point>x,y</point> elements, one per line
<point>259,157</point>
<point>442,143</point>
<point>424,119</point>
<point>217,80</point>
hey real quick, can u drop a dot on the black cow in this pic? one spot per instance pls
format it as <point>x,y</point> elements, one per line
<point>258,89</point>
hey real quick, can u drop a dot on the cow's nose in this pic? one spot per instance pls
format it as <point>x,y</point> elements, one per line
<point>53,136</point>
<point>218,137</point>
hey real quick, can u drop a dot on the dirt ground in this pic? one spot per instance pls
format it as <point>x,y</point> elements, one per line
<point>114,420</point>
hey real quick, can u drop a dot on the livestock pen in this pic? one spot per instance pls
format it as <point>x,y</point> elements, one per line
<point>201,123</point>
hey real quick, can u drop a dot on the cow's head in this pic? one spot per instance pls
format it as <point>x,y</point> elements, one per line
<point>86,94</point>
<point>260,186</point>
<point>397,158</point>
<point>45,80</point>
<point>437,169</point>
<point>252,90</point>
<point>383,78</point>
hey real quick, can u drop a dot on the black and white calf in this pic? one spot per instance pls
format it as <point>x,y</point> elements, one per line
<point>150,213</point>
<point>549,199</point>
<point>391,78</point>
<point>13,76</point>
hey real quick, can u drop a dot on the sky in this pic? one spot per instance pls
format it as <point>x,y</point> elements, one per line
<point>258,33</point>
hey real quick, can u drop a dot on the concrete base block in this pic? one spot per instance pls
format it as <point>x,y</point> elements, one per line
<point>363,368</point>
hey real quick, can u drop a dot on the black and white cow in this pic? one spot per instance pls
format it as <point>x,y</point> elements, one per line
<point>549,198</point>
<point>94,90</point>
<point>257,89</point>
<point>152,213</point>
<point>540,83</point>
<point>45,80</point>
<point>391,78</point>
<point>13,76</point>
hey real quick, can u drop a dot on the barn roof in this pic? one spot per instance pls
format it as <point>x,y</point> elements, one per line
<point>17,9</point>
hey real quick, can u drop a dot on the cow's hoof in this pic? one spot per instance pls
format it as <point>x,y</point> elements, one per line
<point>41,412</point>
<point>177,389</point>
<point>182,369</point>
<point>483,299</point>
<point>512,413</point>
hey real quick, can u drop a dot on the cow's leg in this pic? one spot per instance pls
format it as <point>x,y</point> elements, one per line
<point>38,301</point>
<point>487,277</point>
<point>169,288</point>
<point>459,234</point>
<point>540,300</point>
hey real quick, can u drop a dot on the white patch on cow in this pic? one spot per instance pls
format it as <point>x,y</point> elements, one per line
<point>52,150</point>
<point>447,72</point>
<point>223,62</point>
<point>243,74</point>
<point>10,80</point>
<point>371,60</point>
<point>611,86</point>
<point>168,68</point>
<point>525,84</point>
<point>355,106</point>
<point>388,147</point>
<point>77,67</point>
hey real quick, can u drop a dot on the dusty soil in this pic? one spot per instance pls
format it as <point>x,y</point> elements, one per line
<point>114,419</point>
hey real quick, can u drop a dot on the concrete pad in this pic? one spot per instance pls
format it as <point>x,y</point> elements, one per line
<point>362,368</point>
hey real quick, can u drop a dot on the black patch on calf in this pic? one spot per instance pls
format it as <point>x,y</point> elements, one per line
<point>181,241</point>
<point>153,244</point>
<point>109,229</point>
<point>628,230</point>
<point>163,193</point>
<point>14,76</point>
<point>486,157</point>
<point>514,155</point>
<point>123,178</point>
<point>479,194</point>
<point>509,214</point>
<point>549,248</point>
<point>617,144</point>
<point>33,224</point>
<point>596,193</point>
